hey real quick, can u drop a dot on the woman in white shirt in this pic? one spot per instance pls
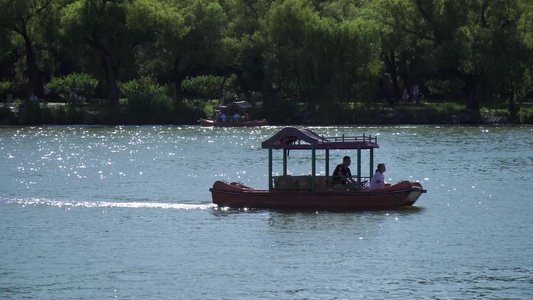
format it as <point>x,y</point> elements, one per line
<point>378,181</point>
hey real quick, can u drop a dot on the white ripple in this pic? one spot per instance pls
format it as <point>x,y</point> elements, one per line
<point>91,204</point>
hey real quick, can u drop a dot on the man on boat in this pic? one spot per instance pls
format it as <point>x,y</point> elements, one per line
<point>378,181</point>
<point>342,176</point>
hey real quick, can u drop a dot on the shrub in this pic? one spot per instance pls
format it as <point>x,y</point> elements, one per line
<point>525,115</point>
<point>144,85</point>
<point>4,87</point>
<point>6,115</point>
<point>148,102</point>
<point>444,89</point>
<point>187,113</point>
<point>206,87</point>
<point>451,108</point>
<point>81,84</point>
<point>150,108</point>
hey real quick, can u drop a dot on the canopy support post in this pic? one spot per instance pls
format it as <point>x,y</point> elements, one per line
<point>358,168</point>
<point>313,169</point>
<point>371,163</point>
<point>270,187</point>
<point>327,166</point>
<point>285,162</point>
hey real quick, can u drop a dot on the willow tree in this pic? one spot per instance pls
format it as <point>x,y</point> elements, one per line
<point>477,44</point>
<point>496,53</point>
<point>244,45</point>
<point>25,19</point>
<point>99,27</point>
<point>321,59</point>
<point>186,38</point>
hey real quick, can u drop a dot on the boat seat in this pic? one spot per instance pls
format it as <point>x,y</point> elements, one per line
<point>284,183</point>
<point>303,183</point>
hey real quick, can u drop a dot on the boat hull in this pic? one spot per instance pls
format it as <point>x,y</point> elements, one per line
<point>238,196</point>
<point>213,123</point>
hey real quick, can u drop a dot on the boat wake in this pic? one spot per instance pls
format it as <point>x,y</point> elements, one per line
<point>105,204</point>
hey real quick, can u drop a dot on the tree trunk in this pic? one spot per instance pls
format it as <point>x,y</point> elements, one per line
<point>390,65</point>
<point>35,85</point>
<point>178,80</point>
<point>513,112</point>
<point>111,76</point>
<point>473,105</point>
<point>394,76</point>
<point>243,85</point>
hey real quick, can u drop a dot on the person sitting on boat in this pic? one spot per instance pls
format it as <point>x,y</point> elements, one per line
<point>223,117</point>
<point>236,117</point>
<point>378,181</point>
<point>245,117</point>
<point>342,176</point>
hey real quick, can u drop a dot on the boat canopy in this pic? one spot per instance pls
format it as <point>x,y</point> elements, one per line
<point>295,138</point>
<point>238,105</point>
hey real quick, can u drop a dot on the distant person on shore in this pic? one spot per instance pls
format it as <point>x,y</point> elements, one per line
<point>342,176</point>
<point>416,93</point>
<point>378,181</point>
<point>45,92</point>
<point>405,95</point>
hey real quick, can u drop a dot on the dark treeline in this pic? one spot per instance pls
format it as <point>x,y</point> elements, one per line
<point>324,54</point>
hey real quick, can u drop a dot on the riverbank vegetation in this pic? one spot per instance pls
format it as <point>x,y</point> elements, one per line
<point>296,61</point>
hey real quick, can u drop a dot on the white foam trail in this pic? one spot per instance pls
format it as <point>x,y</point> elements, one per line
<point>105,204</point>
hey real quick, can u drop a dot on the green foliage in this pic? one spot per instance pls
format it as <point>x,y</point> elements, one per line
<point>25,25</point>
<point>324,55</point>
<point>187,113</point>
<point>147,101</point>
<point>6,115</point>
<point>358,114</point>
<point>150,108</point>
<point>81,84</point>
<point>206,87</point>
<point>445,89</point>
<point>4,87</point>
<point>446,110</point>
<point>323,60</point>
<point>526,115</point>
<point>144,85</point>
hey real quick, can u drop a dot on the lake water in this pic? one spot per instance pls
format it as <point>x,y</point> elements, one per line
<point>125,212</point>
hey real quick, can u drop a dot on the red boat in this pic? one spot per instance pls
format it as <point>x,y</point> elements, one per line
<point>312,191</point>
<point>211,122</point>
<point>240,106</point>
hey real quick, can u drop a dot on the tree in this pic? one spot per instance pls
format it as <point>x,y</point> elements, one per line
<point>478,43</point>
<point>245,46</point>
<point>187,38</point>
<point>25,19</point>
<point>321,59</point>
<point>495,55</point>
<point>99,27</point>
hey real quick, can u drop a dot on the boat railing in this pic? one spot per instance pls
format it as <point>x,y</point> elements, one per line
<point>305,182</point>
<point>351,139</point>
<point>299,183</point>
<point>338,180</point>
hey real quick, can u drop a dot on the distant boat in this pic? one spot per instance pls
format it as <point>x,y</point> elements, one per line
<point>240,106</point>
<point>313,191</point>
<point>211,122</point>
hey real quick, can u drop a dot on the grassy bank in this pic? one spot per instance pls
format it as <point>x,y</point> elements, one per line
<point>188,113</point>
